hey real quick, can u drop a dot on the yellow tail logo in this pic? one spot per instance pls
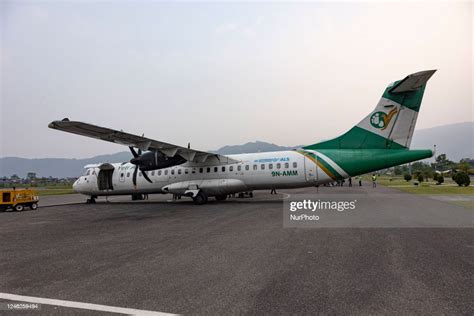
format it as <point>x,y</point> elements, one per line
<point>381,119</point>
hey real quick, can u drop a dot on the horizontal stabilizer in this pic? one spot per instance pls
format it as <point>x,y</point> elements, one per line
<point>412,82</point>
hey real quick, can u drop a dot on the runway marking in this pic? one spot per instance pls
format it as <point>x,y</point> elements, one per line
<point>80,305</point>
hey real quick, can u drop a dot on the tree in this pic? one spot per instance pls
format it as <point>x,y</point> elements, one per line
<point>420,178</point>
<point>407,177</point>
<point>443,163</point>
<point>435,176</point>
<point>440,179</point>
<point>462,179</point>
<point>397,170</point>
<point>428,174</point>
<point>463,166</point>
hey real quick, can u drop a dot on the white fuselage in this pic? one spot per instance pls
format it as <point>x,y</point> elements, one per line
<point>284,169</point>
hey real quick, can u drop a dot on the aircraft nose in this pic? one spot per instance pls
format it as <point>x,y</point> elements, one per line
<point>75,184</point>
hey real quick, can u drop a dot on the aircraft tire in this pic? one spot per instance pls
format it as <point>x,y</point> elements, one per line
<point>200,198</point>
<point>221,197</point>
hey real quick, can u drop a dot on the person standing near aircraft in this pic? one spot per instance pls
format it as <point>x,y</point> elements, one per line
<point>350,182</point>
<point>374,180</point>
<point>360,180</point>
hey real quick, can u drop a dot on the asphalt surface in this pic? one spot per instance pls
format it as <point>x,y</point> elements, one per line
<point>234,257</point>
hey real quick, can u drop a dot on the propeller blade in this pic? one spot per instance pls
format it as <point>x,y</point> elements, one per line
<point>146,177</point>
<point>135,176</point>
<point>134,153</point>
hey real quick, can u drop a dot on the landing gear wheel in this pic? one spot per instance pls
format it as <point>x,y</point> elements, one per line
<point>90,201</point>
<point>19,207</point>
<point>221,197</point>
<point>200,198</point>
<point>34,206</point>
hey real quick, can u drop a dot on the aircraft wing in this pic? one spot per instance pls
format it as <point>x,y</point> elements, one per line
<point>144,143</point>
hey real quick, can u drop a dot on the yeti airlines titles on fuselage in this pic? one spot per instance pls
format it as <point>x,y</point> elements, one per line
<point>381,140</point>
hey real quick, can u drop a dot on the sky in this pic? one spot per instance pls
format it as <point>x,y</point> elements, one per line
<point>216,74</point>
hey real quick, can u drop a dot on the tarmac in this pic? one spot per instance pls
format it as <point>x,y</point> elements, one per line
<point>236,257</point>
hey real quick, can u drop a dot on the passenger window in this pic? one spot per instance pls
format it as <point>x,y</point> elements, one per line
<point>166,172</point>
<point>239,168</point>
<point>194,170</point>
<point>262,166</point>
<point>223,169</point>
<point>278,165</point>
<point>153,173</point>
<point>231,168</point>
<point>179,171</point>
<point>287,165</point>
<point>200,170</point>
<point>215,169</point>
<point>270,166</point>
<point>247,167</point>
<point>172,171</point>
<point>121,175</point>
<point>295,165</point>
<point>159,172</point>
<point>254,167</point>
<point>128,174</point>
<point>208,169</point>
<point>186,171</point>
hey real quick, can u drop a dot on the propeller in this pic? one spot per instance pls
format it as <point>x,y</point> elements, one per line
<point>136,161</point>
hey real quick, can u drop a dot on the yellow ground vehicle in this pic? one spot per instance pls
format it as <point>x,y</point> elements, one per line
<point>18,199</point>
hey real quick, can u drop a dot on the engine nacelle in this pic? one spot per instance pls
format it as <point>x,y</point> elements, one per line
<point>153,160</point>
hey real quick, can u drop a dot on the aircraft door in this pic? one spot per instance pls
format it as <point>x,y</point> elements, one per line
<point>310,170</point>
<point>105,177</point>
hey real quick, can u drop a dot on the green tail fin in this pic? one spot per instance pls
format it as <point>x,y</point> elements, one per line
<point>391,124</point>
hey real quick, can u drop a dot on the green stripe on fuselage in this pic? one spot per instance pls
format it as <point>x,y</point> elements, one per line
<point>360,161</point>
<point>331,169</point>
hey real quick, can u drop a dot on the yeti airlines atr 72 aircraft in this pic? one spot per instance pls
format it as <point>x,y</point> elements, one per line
<point>381,140</point>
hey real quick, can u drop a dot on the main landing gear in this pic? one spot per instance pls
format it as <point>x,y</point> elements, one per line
<point>200,198</point>
<point>91,200</point>
<point>221,197</point>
